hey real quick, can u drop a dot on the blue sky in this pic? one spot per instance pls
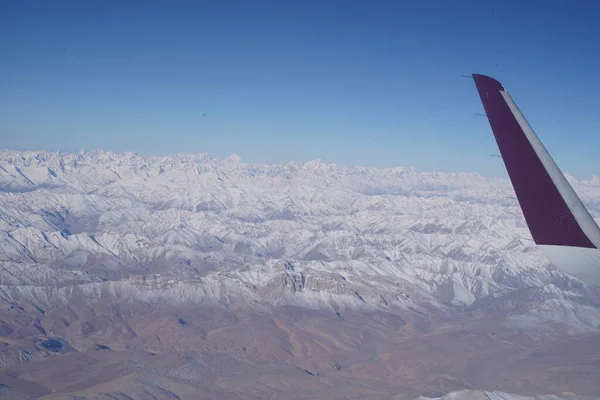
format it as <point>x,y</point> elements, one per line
<point>355,83</point>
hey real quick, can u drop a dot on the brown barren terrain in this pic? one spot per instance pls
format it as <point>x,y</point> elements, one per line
<point>292,353</point>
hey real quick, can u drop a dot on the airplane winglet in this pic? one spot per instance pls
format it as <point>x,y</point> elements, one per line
<point>557,219</point>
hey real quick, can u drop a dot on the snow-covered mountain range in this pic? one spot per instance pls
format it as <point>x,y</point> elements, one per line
<point>190,228</point>
<point>195,229</point>
<point>187,276</point>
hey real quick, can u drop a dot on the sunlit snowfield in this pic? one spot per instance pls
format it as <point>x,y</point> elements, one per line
<point>187,276</point>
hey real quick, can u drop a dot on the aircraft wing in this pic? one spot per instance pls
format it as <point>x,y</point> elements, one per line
<point>558,221</point>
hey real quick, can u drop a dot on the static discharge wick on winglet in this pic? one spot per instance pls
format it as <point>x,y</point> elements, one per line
<point>559,223</point>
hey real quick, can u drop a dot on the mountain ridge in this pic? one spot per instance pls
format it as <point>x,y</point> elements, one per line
<point>95,243</point>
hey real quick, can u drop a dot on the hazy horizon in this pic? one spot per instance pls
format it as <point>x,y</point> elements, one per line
<point>500,174</point>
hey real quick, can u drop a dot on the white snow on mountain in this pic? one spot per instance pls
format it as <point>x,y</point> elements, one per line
<point>196,229</point>
<point>484,395</point>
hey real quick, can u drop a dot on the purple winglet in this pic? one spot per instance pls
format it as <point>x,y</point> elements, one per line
<point>548,217</point>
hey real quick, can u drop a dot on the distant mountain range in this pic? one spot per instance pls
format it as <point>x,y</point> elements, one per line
<point>130,235</point>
